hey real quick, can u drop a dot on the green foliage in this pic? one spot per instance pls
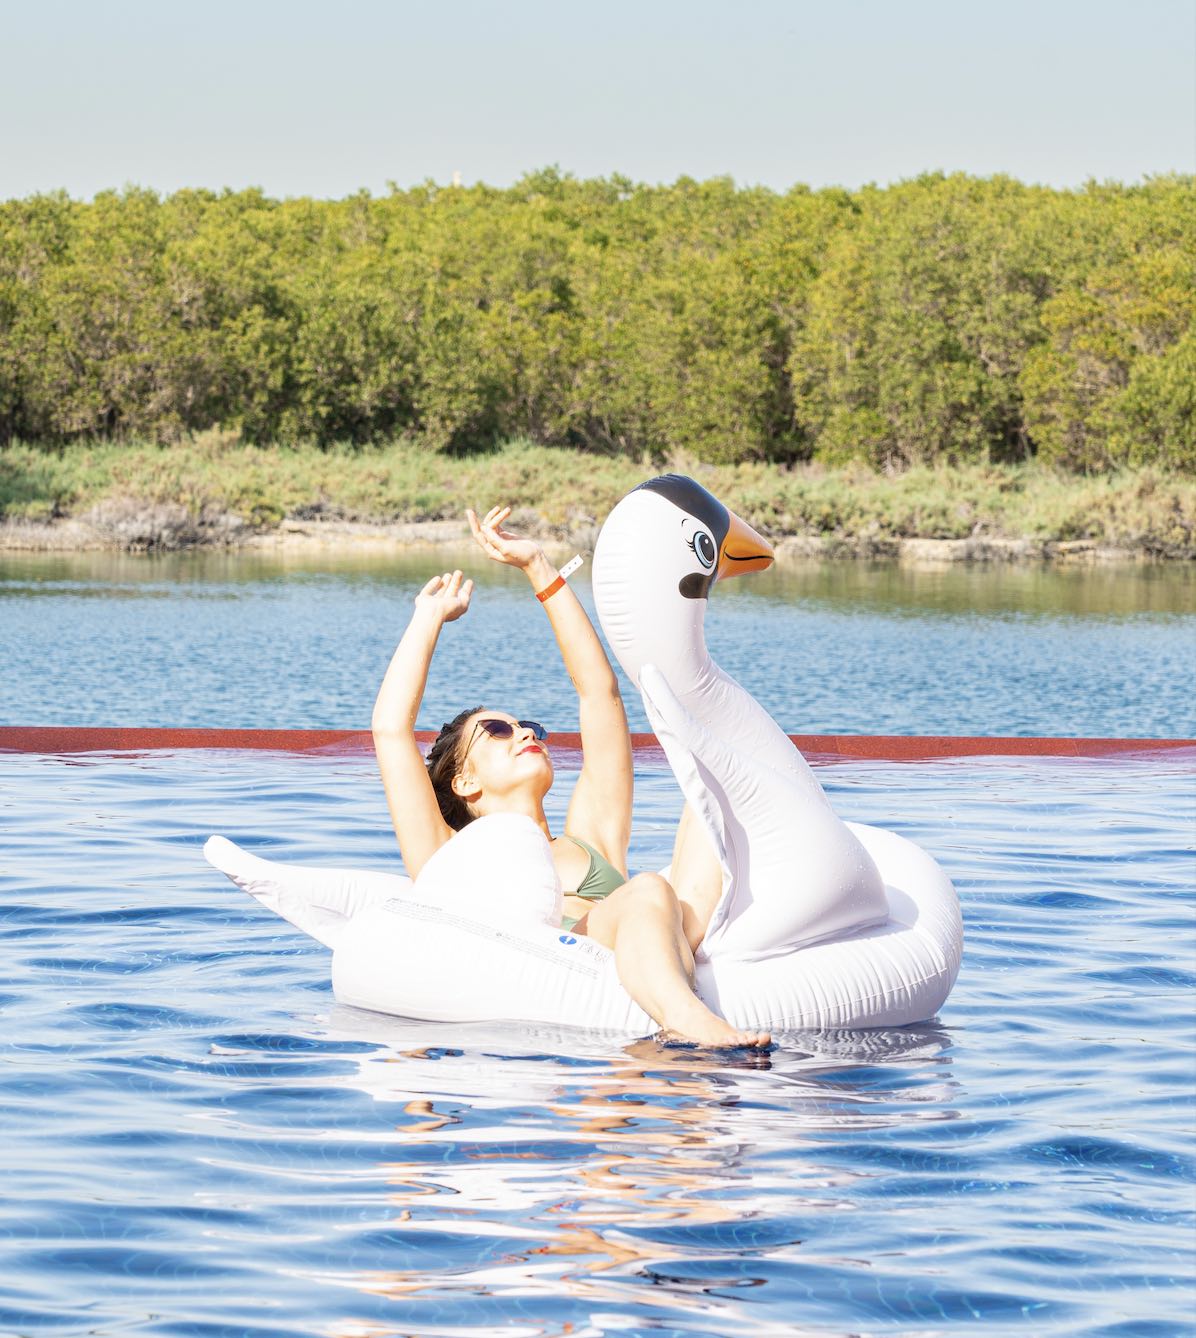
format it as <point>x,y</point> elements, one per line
<point>196,484</point>
<point>1111,383</point>
<point>942,320</point>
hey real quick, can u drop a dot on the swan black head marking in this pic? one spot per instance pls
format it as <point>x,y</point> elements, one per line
<point>695,501</point>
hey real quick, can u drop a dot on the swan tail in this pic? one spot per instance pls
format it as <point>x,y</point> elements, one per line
<point>321,902</point>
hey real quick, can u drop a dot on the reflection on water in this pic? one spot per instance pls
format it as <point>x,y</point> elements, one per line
<point>1032,588</point>
<point>645,1163</point>
<point>1017,589</point>
<point>246,640</point>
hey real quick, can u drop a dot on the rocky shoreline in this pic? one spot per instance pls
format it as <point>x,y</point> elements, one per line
<point>166,528</point>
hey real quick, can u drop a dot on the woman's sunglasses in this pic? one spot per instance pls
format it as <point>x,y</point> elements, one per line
<point>503,729</point>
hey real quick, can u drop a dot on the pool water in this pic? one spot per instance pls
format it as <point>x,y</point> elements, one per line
<point>197,1140</point>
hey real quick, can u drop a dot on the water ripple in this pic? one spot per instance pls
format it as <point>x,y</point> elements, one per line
<point>195,1139</point>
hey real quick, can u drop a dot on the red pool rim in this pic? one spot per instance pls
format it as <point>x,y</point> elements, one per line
<point>59,739</point>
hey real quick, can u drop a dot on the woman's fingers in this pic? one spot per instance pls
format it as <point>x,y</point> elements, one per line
<point>481,529</point>
<point>493,540</point>
<point>455,596</point>
<point>450,592</point>
<point>459,589</point>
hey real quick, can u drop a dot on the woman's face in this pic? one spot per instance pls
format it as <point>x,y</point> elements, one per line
<point>492,767</point>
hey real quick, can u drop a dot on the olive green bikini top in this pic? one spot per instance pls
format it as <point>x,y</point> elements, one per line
<point>601,877</point>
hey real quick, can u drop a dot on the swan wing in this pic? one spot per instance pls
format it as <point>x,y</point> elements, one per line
<point>319,901</point>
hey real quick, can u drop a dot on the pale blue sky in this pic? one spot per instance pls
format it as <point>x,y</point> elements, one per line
<point>305,97</point>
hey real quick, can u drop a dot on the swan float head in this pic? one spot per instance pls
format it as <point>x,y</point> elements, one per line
<point>660,551</point>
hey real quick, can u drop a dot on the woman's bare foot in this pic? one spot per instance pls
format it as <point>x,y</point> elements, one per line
<point>731,1040</point>
<point>735,1041</point>
<point>697,1025</point>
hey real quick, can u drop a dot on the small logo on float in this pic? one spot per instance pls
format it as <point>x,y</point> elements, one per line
<point>568,940</point>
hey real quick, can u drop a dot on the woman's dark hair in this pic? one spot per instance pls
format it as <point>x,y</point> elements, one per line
<point>443,764</point>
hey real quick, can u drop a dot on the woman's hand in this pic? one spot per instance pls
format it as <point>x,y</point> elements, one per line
<point>511,549</point>
<point>447,596</point>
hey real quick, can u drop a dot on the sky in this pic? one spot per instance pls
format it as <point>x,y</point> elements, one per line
<point>324,99</point>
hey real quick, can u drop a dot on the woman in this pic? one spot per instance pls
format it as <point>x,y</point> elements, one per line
<point>486,762</point>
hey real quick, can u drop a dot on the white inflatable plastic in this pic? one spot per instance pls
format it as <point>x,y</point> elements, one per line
<point>435,950</point>
<point>822,925</point>
<point>793,872</point>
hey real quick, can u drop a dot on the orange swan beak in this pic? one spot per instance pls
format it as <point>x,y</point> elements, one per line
<point>743,550</point>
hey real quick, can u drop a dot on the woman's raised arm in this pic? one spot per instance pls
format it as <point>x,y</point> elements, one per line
<point>600,810</point>
<point>420,829</point>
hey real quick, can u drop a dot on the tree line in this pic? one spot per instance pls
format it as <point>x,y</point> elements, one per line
<point>946,318</point>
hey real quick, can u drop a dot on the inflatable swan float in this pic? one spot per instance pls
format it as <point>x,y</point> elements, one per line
<point>822,925</point>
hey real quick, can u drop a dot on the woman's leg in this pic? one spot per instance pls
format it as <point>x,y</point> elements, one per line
<point>696,876</point>
<point>642,923</point>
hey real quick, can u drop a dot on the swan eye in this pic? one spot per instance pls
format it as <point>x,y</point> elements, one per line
<point>704,549</point>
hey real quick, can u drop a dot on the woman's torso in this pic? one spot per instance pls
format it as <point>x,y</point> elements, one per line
<point>586,875</point>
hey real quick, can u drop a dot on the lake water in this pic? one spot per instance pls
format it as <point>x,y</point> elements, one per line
<point>850,648</point>
<point>196,1140</point>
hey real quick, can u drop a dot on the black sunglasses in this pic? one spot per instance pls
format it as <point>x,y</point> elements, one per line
<point>503,729</point>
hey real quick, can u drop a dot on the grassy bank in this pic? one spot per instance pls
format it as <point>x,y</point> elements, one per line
<point>213,489</point>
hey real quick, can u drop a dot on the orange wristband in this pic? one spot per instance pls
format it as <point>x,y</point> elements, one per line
<point>550,589</point>
<point>562,576</point>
